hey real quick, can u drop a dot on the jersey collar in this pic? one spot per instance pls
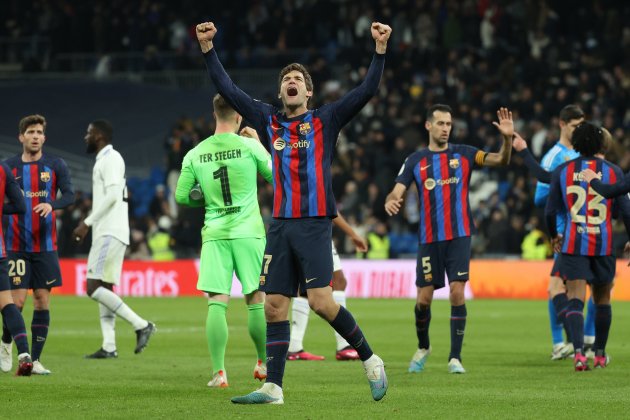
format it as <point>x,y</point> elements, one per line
<point>104,151</point>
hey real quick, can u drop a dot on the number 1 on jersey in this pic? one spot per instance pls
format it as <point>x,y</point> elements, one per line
<point>222,175</point>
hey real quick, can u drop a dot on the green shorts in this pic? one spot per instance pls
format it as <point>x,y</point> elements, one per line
<point>221,258</point>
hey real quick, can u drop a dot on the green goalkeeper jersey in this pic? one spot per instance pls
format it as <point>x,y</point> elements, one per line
<point>225,166</point>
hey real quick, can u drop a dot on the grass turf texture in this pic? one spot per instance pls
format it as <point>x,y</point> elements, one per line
<point>506,354</point>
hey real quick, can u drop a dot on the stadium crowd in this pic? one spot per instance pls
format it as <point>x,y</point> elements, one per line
<point>465,54</point>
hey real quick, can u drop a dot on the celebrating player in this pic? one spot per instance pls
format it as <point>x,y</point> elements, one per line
<point>442,174</point>
<point>31,238</point>
<point>586,242</point>
<point>298,252</point>
<point>110,236</point>
<point>225,167</point>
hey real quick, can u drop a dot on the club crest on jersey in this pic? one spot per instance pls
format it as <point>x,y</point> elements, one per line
<point>305,128</point>
<point>44,176</point>
<point>17,281</point>
<point>453,163</point>
<point>429,184</point>
<point>262,280</point>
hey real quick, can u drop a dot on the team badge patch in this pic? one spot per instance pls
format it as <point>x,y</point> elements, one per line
<point>44,176</point>
<point>454,163</point>
<point>305,128</point>
<point>17,281</point>
<point>262,280</point>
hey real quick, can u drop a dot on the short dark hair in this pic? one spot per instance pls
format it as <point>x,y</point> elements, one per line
<point>296,67</point>
<point>105,127</point>
<point>438,107</point>
<point>571,112</point>
<point>222,108</point>
<point>588,139</point>
<point>29,120</point>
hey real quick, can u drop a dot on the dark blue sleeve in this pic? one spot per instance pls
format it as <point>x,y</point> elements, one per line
<point>405,175</point>
<point>12,191</point>
<point>555,204</point>
<point>612,190</point>
<point>64,184</point>
<point>252,110</point>
<point>538,171</point>
<point>344,109</point>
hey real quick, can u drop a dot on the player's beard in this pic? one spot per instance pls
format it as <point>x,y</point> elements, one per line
<point>90,148</point>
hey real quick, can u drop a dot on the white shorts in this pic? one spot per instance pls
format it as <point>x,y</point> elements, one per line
<point>106,259</point>
<point>336,259</point>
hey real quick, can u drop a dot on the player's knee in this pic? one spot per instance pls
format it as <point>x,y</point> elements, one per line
<point>456,296</point>
<point>325,308</point>
<point>19,301</point>
<point>272,312</point>
<point>556,286</point>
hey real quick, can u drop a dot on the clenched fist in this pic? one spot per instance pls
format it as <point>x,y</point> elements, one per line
<point>380,33</point>
<point>205,33</point>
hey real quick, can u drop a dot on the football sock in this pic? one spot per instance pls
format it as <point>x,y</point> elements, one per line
<point>589,321</point>
<point>6,334</point>
<point>15,323</point>
<point>575,322</point>
<point>423,319</point>
<point>603,319</point>
<point>108,328</point>
<point>117,306</point>
<point>257,327</point>
<point>277,347</point>
<point>217,334</point>
<point>458,326</point>
<point>39,332</point>
<point>339,296</point>
<point>348,328</point>
<point>299,322</point>
<point>557,310</point>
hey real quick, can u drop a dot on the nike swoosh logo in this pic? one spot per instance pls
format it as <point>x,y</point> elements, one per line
<point>310,280</point>
<point>51,281</point>
<point>422,168</point>
<point>459,273</point>
<point>17,177</point>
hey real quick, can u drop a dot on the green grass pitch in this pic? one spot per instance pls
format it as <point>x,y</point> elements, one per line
<point>506,353</point>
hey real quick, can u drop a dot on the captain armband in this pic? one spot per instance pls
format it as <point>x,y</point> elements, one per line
<point>480,158</point>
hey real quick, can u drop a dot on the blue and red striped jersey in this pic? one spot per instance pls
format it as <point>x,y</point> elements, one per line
<point>10,189</point>
<point>40,181</point>
<point>301,147</point>
<point>589,216</point>
<point>442,180</point>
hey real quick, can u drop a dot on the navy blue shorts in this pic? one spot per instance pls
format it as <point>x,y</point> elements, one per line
<point>5,284</point>
<point>298,256</point>
<point>595,270</point>
<point>34,270</point>
<point>450,257</point>
<point>555,270</point>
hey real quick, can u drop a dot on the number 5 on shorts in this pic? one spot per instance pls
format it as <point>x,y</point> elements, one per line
<point>267,259</point>
<point>426,265</point>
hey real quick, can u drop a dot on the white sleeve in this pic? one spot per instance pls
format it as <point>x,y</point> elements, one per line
<point>98,213</point>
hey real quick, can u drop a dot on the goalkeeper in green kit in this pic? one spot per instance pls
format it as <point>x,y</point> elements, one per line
<point>225,167</point>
